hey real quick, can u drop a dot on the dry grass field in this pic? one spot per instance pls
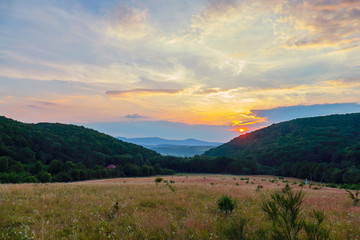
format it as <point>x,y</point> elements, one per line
<point>138,208</point>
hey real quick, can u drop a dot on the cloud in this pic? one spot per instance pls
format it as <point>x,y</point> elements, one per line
<point>344,82</point>
<point>214,17</point>
<point>222,59</point>
<point>207,91</point>
<point>325,23</point>
<point>135,116</point>
<point>281,114</point>
<point>34,106</point>
<point>129,23</point>
<point>47,103</point>
<point>149,83</point>
<point>142,92</point>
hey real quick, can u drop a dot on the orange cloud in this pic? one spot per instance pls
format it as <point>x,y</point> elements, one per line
<point>344,82</point>
<point>248,120</point>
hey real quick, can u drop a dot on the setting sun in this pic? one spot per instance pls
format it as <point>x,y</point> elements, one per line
<point>242,130</point>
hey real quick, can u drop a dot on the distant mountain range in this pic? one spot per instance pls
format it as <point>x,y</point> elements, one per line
<point>180,148</point>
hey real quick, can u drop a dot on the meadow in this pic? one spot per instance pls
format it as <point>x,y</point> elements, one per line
<point>138,208</point>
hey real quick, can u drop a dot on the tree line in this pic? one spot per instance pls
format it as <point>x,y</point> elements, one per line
<point>325,149</point>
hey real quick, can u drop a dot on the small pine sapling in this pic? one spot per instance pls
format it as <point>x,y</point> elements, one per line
<point>284,210</point>
<point>226,204</point>
<point>316,230</point>
<point>355,198</point>
<point>259,187</point>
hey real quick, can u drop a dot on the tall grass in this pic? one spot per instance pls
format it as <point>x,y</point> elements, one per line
<point>135,208</point>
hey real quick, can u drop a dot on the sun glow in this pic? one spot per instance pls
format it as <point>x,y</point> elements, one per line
<point>242,130</point>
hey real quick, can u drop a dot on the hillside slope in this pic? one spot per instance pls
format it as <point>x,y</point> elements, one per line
<point>330,142</point>
<point>60,152</point>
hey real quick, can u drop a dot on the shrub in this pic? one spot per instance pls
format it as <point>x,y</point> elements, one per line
<point>354,187</point>
<point>226,204</point>
<point>113,211</point>
<point>259,187</point>
<point>283,208</point>
<point>315,230</point>
<point>331,185</point>
<point>236,230</point>
<point>286,188</point>
<point>355,198</point>
<point>158,180</point>
<point>171,188</point>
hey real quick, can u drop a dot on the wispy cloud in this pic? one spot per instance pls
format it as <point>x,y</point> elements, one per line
<point>141,92</point>
<point>344,82</point>
<point>129,23</point>
<point>135,116</point>
<point>47,103</point>
<point>325,23</point>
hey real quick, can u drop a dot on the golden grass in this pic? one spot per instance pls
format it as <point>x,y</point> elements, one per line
<point>86,210</point>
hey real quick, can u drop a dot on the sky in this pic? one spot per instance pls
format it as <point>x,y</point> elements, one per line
<point>178,68</point>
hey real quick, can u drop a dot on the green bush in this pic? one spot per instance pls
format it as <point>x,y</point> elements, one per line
<point>283,209</point>
<point>226,204</point>
<point>315,230</point>
<point>158,180</point>
<point>171,188</point>
<point>236,230</point>
<point>354,197</point>
<point>331,185</point>
<point>259,187</point>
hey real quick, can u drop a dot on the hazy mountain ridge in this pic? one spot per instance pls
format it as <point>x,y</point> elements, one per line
<point>179,148</point>
<point>151,141</point>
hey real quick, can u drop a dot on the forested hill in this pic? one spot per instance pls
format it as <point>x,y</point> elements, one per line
<point>329,142</point>
<point>60,152</point>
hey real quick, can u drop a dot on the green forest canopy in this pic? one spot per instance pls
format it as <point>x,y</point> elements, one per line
<point>320,148</point>
<point>328,147</point>
<point>59,152</point>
